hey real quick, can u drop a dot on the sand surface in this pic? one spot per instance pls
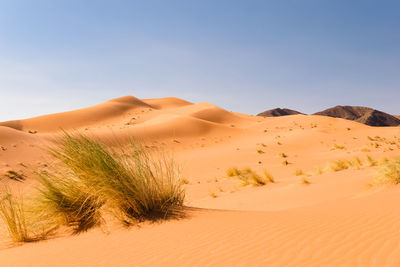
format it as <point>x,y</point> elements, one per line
<point>336,220</point>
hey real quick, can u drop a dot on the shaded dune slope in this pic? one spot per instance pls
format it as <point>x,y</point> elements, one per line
<point>78,118</point>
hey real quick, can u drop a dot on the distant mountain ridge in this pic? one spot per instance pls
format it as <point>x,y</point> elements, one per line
<point>365,115</point>
<point>277,112</point>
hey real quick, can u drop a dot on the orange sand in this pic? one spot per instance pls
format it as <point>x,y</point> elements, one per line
<point>335,221</point>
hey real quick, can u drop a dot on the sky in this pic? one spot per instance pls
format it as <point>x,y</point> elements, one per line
<point>246,56</point>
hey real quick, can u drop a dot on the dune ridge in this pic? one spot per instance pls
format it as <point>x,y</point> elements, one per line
<point>333,220</point>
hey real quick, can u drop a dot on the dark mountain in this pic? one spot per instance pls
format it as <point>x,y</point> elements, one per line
<point>278,112</point>
<point>363,115</point>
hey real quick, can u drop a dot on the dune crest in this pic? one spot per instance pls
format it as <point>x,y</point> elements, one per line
<point>98,114</point>
<point>314,210</point>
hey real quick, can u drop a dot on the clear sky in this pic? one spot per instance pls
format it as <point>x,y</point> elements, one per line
<point>246,56</point>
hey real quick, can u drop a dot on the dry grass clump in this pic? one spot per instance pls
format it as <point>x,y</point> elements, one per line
<point>231,172</point>
<point>389,172</point>
<point>283,155</point>
<point>339,165</point>
<point>268,176</point>
<point>131,183</point>
<point>299,172</point>
<point>305,181</point>
<point>335,146</point>
<point>13,175</point>
<point>12,213</point>
<point>371,162</point>
<point>69,201</point>
<point>247,176</point>
<point>19,223</point>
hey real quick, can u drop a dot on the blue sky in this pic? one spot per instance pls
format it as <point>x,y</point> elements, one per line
<point>245,56</point>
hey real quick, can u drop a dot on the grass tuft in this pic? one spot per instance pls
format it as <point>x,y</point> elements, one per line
<point>389,172</point>
<point>299,172</point>
<point>247,176</point>
<point>339,165</point>
<point>305,181</point>
<point>20,226</point>
<point>130,182</point>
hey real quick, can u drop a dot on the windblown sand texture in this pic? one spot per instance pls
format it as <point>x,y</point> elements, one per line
<point>335,220</point>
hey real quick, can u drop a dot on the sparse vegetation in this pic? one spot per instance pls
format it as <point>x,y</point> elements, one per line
<point>268,176</point>
<point>339,165</point>
<point>213,195</point>
<point>335,146</point>
<point>248,176</point>
<point>259,151</point>
<point>389,172</point>
<point>70,201</point>
<point>13,175</point>
<point>283,155</point>
<point>299,172</point>
<point>305,181</point>
<point>16,218</point>
<point>371,162</point>
<point>131,183</point>
<point>232,172</point>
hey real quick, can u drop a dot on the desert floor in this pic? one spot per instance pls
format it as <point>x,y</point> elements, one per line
<point>337,219</point>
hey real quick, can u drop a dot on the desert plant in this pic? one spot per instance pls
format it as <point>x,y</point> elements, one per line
<point>389,172</point>
<point>371,162</point>
<point>335,146</point>
<point>13,175</point>
<point>135,185</point>
<point>339,165</point>
<point>231,172</point>
<point>248,176</point>
<point>305,181</point>
<point>357,162</point>
<point>268,177</point>
<point>299,172</point>
<point>22,225</point>
<point>13,214</point>
<point>69,199</point>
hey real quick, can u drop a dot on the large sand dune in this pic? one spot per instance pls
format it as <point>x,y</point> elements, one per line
<point>336,220</point>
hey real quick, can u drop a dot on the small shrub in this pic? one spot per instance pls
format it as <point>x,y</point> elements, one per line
<point>339,165</point>
<point>133,184</point>
<point>283,155</point>
<point>299,172</point>
<point>248,176</point>
<point>335,146</point>
<point>70,201</point>
<point>285,163</point>
<point>259,151</point>
<point>184,181</point>
<point>389,173</point>
<point>357,162</point>
<point>213,195</point>
<point>231,172</point>
<point>268,177</point>
<point>13,175</point>
<point>20,225</point>
<point>371,162</point>
<point>305,181</point>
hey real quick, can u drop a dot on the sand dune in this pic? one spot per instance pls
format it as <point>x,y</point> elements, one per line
<point>98,114</point>
<point>335,220</point>
<point>166,102</point>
